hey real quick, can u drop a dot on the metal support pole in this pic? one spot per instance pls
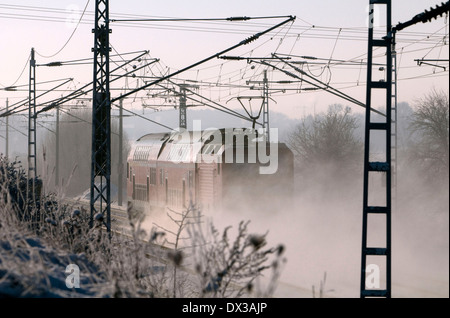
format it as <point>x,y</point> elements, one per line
<point>372,167</point>
<point>394,124</point>
<point>100,203</point>
<point>183,110</point>
<point>266,108</point>
<point>32,168</point>
<point>388,167</point>
<point>7,132</point>
<point>57,149</point>
<point>120,181</point>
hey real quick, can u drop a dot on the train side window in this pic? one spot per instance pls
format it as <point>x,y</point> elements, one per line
<point>148,189</point>
<point>218,168</point>
<point>183,195</point>
<point>134,188</point>
<point>153,176</point>
<point>191,179</point>
<point>161,176</point>
<point>167,191</point>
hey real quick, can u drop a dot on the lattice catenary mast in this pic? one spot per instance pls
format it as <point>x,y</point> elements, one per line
<point>386,167</point>
<point>100,201</point>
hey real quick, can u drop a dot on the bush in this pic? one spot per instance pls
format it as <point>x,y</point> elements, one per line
<point>34,253</point>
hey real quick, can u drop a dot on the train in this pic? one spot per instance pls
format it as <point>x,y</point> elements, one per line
<point>214,170</point>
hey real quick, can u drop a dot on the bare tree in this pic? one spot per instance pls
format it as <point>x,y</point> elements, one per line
<point>429,128</point>
<point>327,139</point>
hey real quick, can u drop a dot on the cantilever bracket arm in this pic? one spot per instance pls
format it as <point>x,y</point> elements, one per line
<point>420,62</point>
<point>425,16</point>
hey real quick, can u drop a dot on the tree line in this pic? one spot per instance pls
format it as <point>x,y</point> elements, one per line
<point>332,142</point>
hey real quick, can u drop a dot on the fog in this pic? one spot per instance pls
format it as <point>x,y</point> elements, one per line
<point>322,234</point>
<point>322,227</point>
<point>322,230</point>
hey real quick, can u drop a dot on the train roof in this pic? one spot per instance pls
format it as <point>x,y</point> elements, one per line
<point>185,146</point>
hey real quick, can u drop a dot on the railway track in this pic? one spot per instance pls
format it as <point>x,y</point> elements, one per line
<point>120,226</point>
<point>119,214</point>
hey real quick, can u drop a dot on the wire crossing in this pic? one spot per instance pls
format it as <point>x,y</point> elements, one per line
<point>243,42</point>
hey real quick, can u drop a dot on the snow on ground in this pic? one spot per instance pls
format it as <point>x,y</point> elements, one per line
<point>30,269</point>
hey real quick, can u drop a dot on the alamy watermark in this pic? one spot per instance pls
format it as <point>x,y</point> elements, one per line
<point>239,145</point>
<point>73,15</point>
<point>372,276</point>
<point>73,276</point>
<point>374,16</point>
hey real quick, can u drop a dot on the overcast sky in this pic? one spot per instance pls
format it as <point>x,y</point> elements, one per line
<point>326,29</point>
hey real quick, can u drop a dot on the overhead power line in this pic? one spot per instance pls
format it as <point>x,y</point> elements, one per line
<point>320,84</point>
<point>25,102</point>
<point>76,93</point>
<point>244,42</point>
<point>198,19</point>
<point>212,104</point>
<point>313,31</point>
<point>70,37</point>
<point>21,73</point>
